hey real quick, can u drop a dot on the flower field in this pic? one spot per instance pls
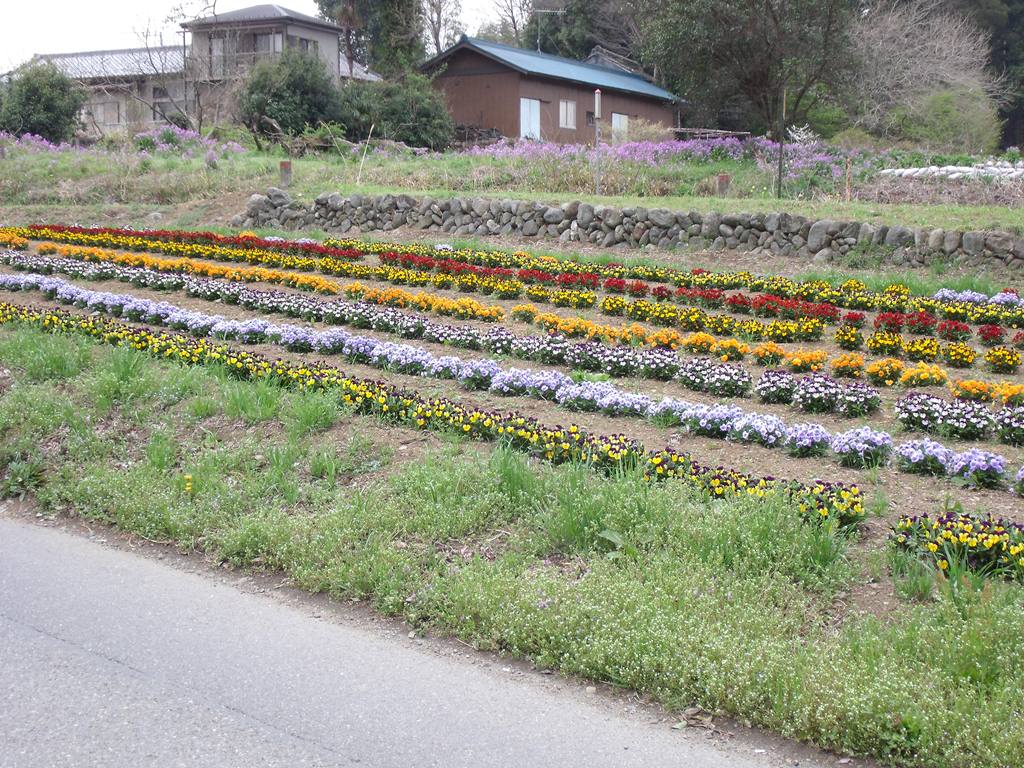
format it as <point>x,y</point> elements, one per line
<point>695,446</point>
<point>625,348</point>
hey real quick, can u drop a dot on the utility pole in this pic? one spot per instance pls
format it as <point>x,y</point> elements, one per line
<point>597,141</point>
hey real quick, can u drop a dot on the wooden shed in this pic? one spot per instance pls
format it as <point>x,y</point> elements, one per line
<point>525,94</point>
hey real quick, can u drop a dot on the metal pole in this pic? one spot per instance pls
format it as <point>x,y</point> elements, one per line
<point>782,141</point>
<point>597,141</point>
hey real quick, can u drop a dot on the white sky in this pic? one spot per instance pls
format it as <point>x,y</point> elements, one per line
<point>62,26</point>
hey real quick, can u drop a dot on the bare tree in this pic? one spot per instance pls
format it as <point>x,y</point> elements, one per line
<point>443,22</point>
<point>514,13</point>
<point>907,50</point>
<point>351,23</point>
<point>615,26</point>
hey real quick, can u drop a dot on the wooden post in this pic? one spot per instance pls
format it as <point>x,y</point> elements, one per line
<point>286,174</point>
<point>782,141</point>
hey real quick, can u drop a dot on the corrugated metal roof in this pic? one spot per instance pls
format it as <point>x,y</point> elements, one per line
<point>267,12</point>
<point>125,62</point>
<point>546,65</point>
<point>361,72</point>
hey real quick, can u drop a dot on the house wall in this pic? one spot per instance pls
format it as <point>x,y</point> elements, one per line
<point>484,93</point>
<point>551,92</point>
<point>240,47</point>
<point>327,44</point>
<point>125,105</point>
<point>481,92</point>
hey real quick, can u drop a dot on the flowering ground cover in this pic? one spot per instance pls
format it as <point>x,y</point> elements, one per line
<point>721,411</point>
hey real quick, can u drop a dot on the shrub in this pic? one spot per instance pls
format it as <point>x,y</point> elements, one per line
<point>407,110</point>
<point>961,120</point>
<point>43,101</point>
<point>295,91</point>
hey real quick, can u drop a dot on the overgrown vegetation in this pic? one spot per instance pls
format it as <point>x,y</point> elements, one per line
<point>735,606</point>
<point>407,110</point>
<point>295,93</point>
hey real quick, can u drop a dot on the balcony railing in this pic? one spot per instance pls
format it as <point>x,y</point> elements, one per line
<point>226,66</point>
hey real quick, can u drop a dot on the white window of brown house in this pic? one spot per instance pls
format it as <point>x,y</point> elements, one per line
<point>567,114</point>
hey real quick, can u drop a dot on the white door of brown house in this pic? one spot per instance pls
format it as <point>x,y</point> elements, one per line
<point>529,119</point>
<point>620,125</point>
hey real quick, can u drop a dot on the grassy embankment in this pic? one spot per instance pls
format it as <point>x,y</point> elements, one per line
<point>92,185</point>
<point>736,605</point>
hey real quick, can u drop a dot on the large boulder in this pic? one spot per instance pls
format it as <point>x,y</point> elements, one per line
<point>817,236</point>
<point>278,197</point>
<point>585,214</point>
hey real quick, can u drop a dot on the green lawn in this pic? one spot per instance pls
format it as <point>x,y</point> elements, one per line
<point>85,179</point>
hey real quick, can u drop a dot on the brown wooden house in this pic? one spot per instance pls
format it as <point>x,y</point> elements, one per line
<point>525,94</point>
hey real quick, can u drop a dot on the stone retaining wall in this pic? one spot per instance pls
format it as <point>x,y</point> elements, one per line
<point>819,241</point>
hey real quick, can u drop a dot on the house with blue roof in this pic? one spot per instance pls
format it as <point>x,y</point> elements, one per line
<point>531,95</point>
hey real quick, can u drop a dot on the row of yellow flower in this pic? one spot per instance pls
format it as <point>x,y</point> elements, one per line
<point>462,308</point>
<point>554,444</point>
<point>983,544</point>
<point>138,242</point>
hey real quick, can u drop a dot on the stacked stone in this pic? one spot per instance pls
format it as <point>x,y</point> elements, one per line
<point>821,241</point>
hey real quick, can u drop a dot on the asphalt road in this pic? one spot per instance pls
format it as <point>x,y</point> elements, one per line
<point>112,658</point>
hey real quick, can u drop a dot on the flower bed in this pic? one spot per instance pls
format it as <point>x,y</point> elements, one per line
<point>730,422</point>
<point>555,444</point>
<point>1005,308</point>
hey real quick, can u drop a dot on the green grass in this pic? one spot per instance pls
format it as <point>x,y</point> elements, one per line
<point>729,605</point>
<point>129,187</point>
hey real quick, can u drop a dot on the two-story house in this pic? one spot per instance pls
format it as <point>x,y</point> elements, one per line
<point>225,47</point>
<point>134,88</point>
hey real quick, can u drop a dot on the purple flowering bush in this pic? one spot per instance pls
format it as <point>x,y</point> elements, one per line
<point>924,457</point>
<point>978,468</point>
<point>862,447</point>
<point>804,440</point>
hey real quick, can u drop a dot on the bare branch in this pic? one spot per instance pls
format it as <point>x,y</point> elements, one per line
<point>443,22</point>
<point>514,13</point>
<point>909,49</point>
